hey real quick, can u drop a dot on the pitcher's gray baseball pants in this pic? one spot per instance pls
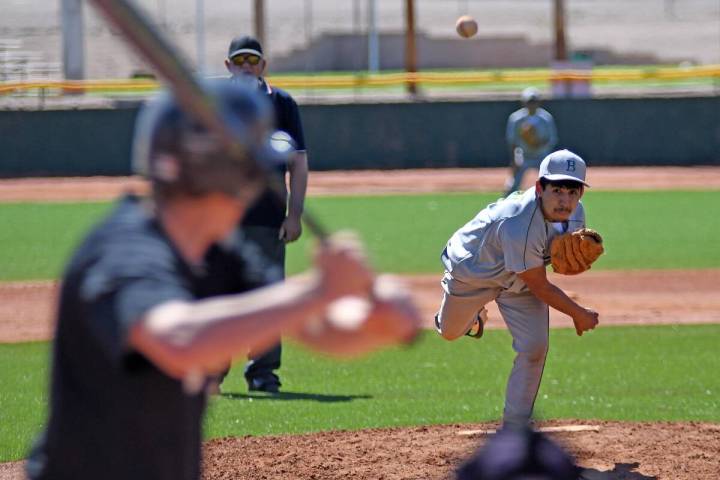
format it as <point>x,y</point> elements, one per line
<point>526,317</point>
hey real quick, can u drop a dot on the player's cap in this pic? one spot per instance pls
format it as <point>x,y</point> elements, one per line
<point>563,165</point>
<point>530,94</point>
<point>245,44</point>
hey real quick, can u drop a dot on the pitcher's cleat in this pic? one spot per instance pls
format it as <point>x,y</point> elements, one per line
<point>478,327</point>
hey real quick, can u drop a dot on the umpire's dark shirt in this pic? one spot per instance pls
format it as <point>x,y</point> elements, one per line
<point>269,210</point>
<point>113,414</point>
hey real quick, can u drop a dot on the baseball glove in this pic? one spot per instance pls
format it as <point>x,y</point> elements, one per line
<point>529,135</point>
<point>573,253</point>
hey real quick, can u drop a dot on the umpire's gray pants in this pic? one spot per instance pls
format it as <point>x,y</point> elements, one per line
<point>526,317</point>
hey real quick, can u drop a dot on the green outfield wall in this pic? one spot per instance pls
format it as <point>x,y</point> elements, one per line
<point>66,142</point>
<point>647,131</point>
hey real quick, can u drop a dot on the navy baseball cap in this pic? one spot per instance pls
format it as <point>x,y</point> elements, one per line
<point>245,44</point>
<point>563,165</point>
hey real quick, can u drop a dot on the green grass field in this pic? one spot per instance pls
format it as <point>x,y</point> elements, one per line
<point>406,233</point>
<point>37,238</point>
<point>621,373</point>
<point>626,373</point>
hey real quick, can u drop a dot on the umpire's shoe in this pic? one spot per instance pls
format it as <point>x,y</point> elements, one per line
<point>269,383</point>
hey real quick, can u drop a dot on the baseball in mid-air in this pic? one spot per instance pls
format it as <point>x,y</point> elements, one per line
<point>466,26</point>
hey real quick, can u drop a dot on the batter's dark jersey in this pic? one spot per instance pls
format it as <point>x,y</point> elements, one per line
<point>269,210</point>
<point>113,414</point>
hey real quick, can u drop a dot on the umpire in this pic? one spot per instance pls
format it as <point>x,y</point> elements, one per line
<point>272,221</point>
<point>137,331</point>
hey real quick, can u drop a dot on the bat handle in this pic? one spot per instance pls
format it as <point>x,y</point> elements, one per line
<point>314,226</point>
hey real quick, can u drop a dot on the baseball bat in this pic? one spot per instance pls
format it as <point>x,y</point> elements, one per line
<point>167,61</point>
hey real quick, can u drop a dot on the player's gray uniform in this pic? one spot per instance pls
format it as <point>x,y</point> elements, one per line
<point>482,260</point>
<point>546,132</point>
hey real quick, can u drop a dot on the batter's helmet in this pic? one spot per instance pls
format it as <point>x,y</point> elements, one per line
<point>180,156</point>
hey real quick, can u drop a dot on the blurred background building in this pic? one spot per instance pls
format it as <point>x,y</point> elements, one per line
<point>322,35</point>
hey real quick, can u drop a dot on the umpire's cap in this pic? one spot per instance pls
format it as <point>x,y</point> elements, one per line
<point>519,454</point>
<point>245,44</point>
<point>179,155</point>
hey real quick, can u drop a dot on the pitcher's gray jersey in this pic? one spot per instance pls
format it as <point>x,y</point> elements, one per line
<point>506,238</point>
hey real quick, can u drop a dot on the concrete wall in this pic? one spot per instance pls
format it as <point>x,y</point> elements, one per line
<point>347,51</point>
<point>658,131</point>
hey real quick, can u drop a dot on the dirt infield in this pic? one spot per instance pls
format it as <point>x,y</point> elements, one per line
<point>637,451</point>
<point>623,298</point>
<point>376,182</point>
<point>634,451</point>
<point>616,451</point>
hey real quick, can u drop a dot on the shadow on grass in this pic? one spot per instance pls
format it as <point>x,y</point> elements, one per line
<point>622,471</point>
<point>289,396</point>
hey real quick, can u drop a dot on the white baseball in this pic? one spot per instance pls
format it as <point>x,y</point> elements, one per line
<point>348,313</point>
<point>466,26</point>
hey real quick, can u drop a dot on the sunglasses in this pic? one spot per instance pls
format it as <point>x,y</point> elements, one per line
<point>242,58</point>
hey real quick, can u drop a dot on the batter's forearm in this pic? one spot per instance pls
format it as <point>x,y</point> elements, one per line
<point>337,342</point>
<point>180,336</point>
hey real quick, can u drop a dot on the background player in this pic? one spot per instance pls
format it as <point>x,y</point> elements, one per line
<point>267,222</point>
<point>135,317</point>
<point>501,255</point>
<point>530,134</point>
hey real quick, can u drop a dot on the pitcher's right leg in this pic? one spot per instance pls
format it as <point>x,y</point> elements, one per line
<point>527,318</point>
